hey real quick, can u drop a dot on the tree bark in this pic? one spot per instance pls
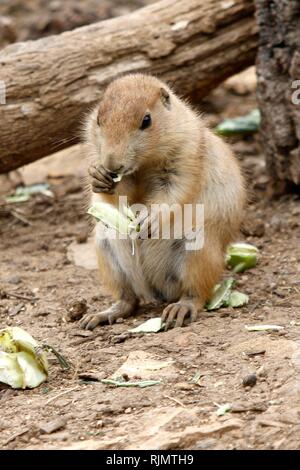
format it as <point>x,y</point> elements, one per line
<point>278,68</point>
<point>53,82</point>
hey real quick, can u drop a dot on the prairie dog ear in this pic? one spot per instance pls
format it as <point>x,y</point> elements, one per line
<point>165,98</point>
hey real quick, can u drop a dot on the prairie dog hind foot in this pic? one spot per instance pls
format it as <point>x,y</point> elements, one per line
<point>179,312</point>
<point>121,309</point>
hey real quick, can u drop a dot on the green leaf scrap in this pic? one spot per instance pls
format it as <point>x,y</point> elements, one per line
<point>237,299</point>
<point>123,383</point>
<point>222,409</point>
<point>224,296</point>
<point>247,124</point>
<point>23,193</point>
<point>221,295</point>
<point>241,256</point>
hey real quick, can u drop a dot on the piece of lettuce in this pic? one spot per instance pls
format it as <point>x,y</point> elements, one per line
<point>23,364</point>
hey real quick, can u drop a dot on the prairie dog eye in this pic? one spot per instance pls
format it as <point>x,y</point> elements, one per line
<point>146,122</point>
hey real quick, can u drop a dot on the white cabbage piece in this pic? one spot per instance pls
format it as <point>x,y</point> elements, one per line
<point>117,178</point>
<point>154,325</point>
<point>112,218</point>
<point>10,371</point>
<point>33,374</point>
<point>264,327</point>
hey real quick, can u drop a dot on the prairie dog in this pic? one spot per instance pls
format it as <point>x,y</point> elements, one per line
<point>166,154</point>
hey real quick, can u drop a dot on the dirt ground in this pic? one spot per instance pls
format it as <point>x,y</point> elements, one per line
<point>39,283</point>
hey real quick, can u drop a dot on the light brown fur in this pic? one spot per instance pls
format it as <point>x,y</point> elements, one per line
<point>176,160</point>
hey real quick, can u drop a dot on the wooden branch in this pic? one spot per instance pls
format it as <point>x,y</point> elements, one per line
<point>52,83</point>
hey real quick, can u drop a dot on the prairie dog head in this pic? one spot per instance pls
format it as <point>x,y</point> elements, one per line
<point>133,124</point>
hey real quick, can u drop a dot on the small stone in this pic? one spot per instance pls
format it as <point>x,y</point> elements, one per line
<point>59,436</point>
<point>91,377</point>
<point>41,313</point>
<point>103,409</point>
<point>82,237</point>
<point>185,339</point>
<point>261,372</point>
<point>205,444</point>
<point>44,246</point>
<point>243,407</point>
<point>276,223</point>
<point>52,426</point>
<point>250,380</point>
<point>185,386</point>
<point>254,229</point>
<point>16,309</point>
<point>224,314</point>
<point>76,309</point>
<point>14,280</point>
<point>97,297</point>
<point>275,402</point>
<point>255,352</point>
<point>290,417</point>
<point>259,230</point>
<point>119,338</point>
<point>55,5</point>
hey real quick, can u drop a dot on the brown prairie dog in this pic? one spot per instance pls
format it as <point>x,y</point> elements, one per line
<point>166,154</point>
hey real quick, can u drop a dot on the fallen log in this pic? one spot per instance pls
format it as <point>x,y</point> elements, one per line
<point>51,83</point>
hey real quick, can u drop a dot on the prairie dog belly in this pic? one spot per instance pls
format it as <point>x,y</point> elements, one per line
<point>155,270</point>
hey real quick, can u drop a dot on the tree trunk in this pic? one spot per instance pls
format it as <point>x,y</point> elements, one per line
<point>278,68</point>
<point>53,82</point>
